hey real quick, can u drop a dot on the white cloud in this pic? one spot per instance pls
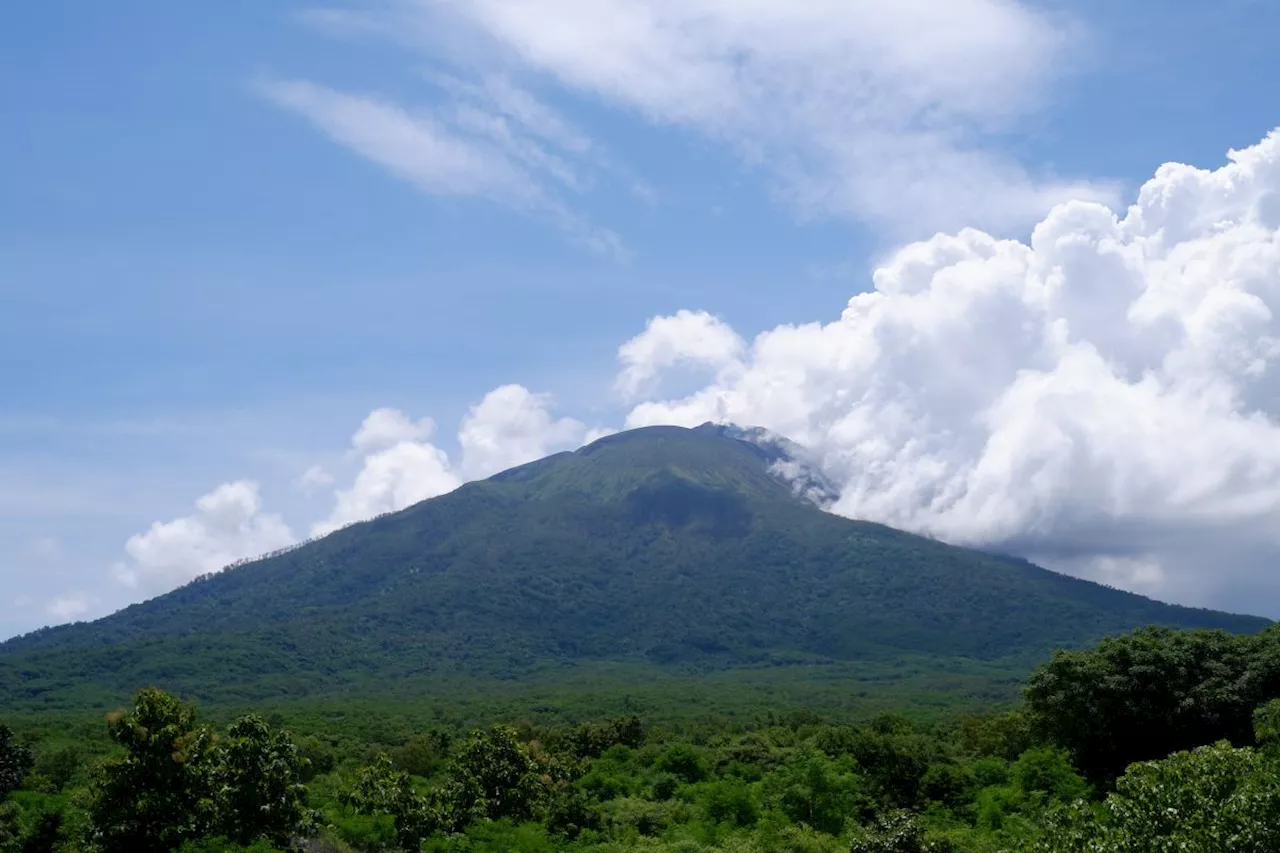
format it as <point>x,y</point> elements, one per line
<point>400,468</point>
<point>416,147</point>
<point>688,338</point>
<point>69,608</point>
<point>493,141</point>
<point>385,427</point>
<point>228,525</point>
<point>1103,398</point>
<point>315,477</point>
<point>878,111</point>
<point>511,426</point>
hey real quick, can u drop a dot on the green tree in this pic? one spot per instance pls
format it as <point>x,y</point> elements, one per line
<point>1266,725</point>
<point>158,794</point>
<point>812,789</point>
<point>1005,735</point>
<point>15,761</point>
<point>60,765</point>
<point>10,827</point>
<point>422,754</point>
<point>896,832</point>
<point>380,789</point>
<point>257,784</point>
<point>894,758</point>
<point>729,800</point>
<point>590,740</point>
<point>492,777</point>
<point>1214,799</point>
<point>684,761</point>
<point>1155,691</point>
<point>1047,772</point>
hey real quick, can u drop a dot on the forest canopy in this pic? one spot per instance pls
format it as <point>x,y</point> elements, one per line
<point>1154,741</point>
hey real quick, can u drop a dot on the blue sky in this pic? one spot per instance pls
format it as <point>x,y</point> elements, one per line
<point>229,232</point>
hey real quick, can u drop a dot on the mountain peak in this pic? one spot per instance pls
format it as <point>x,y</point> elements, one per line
<point>748,462</point>
<point>654,547</point>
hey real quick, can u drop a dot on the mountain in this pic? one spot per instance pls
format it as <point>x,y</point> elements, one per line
<point>663,547</point>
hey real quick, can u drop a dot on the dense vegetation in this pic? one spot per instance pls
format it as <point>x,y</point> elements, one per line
<point>1204,780</point>
<point>653,555</point>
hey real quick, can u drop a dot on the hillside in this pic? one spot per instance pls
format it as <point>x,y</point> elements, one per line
<point>662,547</point>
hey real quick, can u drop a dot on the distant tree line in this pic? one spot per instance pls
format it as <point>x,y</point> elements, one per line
<point>1154,742</point>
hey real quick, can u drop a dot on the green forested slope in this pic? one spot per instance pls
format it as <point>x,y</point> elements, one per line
<point>665,547</point>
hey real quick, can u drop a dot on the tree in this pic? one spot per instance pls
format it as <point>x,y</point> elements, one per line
<point>422,754</point>
<point>15,762</point>
<point>1266,725</point>
<point>257,784</point>
<point>177,782</point>
<point>891,754</point>
<point>60,765</point>
<point>157,795</point>
<point>896,832</point>
<point>380,789</point>
<point>590,740</point>
<point>1145,695</point>
<point>1211,800</point>
<point>812,789</point>
<point>729,800</point>
<point>493,777</point>
<point>683,761</point>
<point>1047,772</point>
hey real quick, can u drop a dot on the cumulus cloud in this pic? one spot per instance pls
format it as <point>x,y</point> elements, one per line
<point>401,466</point>
<point>1103,397</point>
<point>687,338</point>
<point>877,111</point>
<point>315,477</point>
<point>387,427</point>
<point>511,426</point>
<point>228,525</point>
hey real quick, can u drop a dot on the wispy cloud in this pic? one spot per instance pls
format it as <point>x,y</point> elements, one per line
<point>887,113</point>
<point>69,608</point>
<point>490,141</point>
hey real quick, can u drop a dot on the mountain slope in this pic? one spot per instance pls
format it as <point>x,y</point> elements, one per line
<point>663,545</point>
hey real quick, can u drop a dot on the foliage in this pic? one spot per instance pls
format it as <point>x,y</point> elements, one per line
<point>223,845</point>
<point>158,794</point>
<point>31,826</point>
<point>729,800</point>
<point>422,754</point>
<point>783,780</point>
<point>1212,799</point>
<point>62,765</point>
<point>176,782</point>
<point>1047,771</point>
<point>494,777</point>
<point>257,785</point>
<point>1266,725</point>
<point>897,832</point>
<point>813,790</point>
<point>1159,691</point>
<point>590,740</point>
<point>683,761</point>
<point>15,761</point>
<point>380,790</point>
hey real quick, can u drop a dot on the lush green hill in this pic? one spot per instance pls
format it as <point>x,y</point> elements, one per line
<point>661,548</point>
